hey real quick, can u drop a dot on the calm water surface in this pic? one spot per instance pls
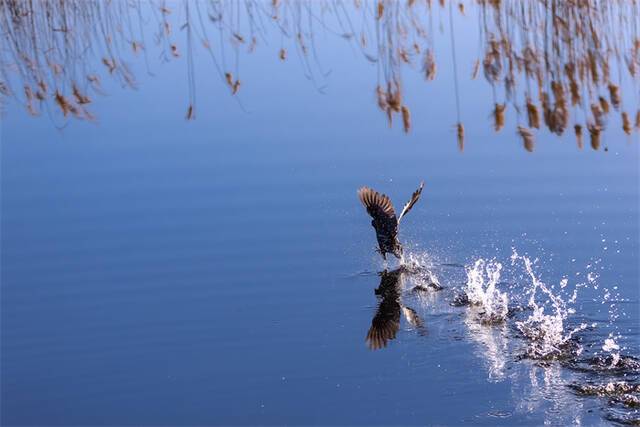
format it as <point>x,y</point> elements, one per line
<point>157,271</point>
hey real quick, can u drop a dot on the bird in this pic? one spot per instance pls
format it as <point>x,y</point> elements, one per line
<point>384,221</point>
<point>386,321</point>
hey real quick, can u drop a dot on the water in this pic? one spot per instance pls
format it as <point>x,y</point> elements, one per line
<point>222,270</point>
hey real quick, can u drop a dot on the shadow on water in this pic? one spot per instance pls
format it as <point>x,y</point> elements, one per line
<point>555,64</point>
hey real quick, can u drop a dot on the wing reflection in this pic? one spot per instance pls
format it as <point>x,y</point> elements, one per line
<point>386,321</point>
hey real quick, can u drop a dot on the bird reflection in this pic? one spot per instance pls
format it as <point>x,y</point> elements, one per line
<point>386,321</point>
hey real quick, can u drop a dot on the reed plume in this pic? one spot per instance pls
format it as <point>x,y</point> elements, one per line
<point>62,103</point>
<point>598,116</point>
<point>406,118</point>
<point>80,98</point>
<point>559,119</point>
<point>527,138</point>
<point>498,116</point>
<point>575,92</point>
<point>460,132</point>
<point>594,132</point>
<point>110,64</point>
<point>578,131</point>
<point>533,115</point>
<point>626,123</point>
<point>614,94</point>
<point>429,66</point>
<point>583,45</point>
<point>492,66</point>
<point>558,92</point>
<point>604,105</point>
<point>394,97</point>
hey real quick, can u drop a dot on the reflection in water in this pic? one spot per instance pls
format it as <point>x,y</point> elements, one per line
<point>493,343</point>
<point>557,59</point>
<point>536,388</point>
<point>386,321</point>
<point>543,387</point>
<point>546,391</point>
<point>556,64</point>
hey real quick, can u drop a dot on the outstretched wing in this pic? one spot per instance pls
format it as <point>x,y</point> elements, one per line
<point>414,198</point>
<point>381,210</point>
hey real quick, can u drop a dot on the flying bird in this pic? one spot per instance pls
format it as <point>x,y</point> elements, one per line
<point>384,221</point>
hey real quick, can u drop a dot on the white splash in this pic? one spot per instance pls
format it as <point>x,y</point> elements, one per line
<point>545,330</point>
<point>481,290</point>
<point>611,346</point>
<point>422,267</point>
<point>413,259</point>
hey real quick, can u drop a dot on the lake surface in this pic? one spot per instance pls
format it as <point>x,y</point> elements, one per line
<point>222,271</point>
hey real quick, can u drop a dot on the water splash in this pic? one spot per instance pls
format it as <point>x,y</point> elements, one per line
<point>421,266</point>
<point>545,328</point>
<point>541,314</point>
<point>416,259</point>
<point>611,346</point>
<point>481,290</point>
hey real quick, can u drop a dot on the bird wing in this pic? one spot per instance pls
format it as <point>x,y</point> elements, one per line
<point>380,208</point>
<point>414,198</point>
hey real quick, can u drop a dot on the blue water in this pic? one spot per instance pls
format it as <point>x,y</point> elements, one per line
<point>222,270</point>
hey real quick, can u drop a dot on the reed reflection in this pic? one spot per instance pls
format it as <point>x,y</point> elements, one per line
<point>555,64</point>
